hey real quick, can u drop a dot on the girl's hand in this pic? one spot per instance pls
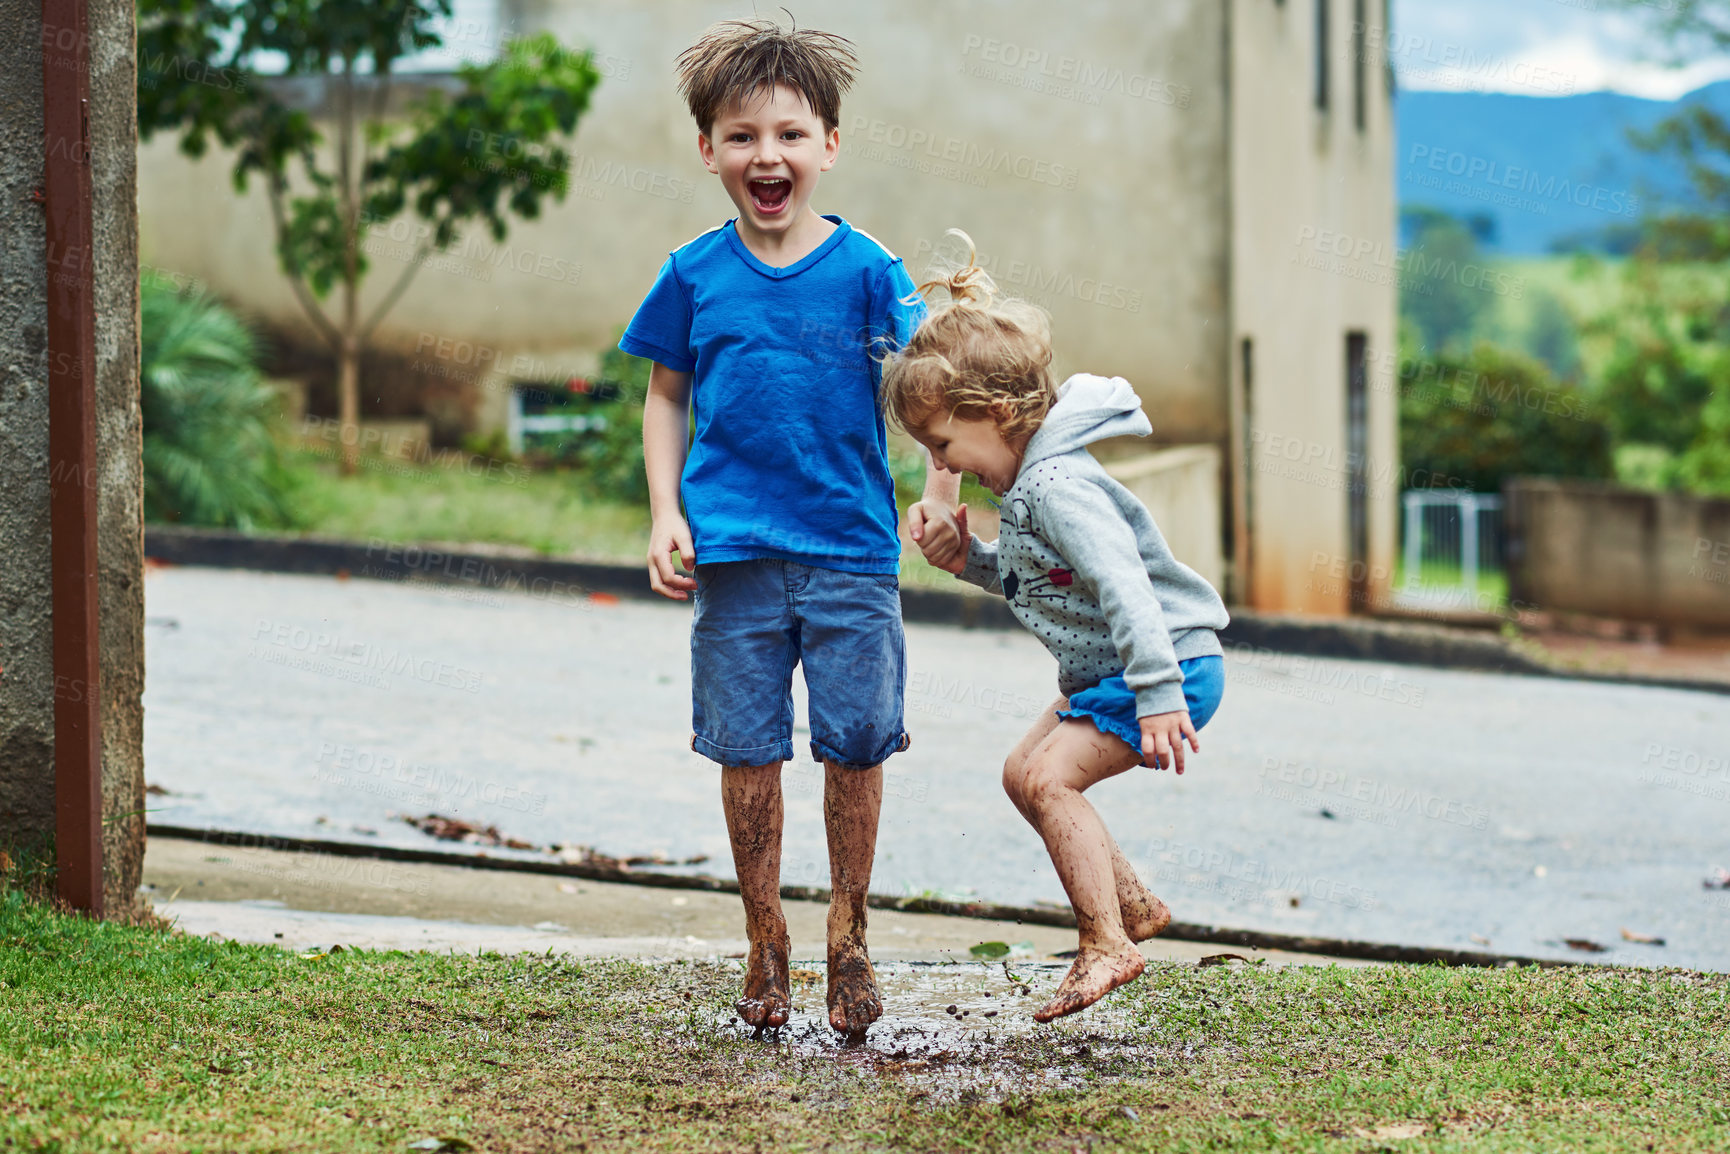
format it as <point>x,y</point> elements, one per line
<point>667,535</point>
<point>1162,738</point>
<point>941,535</point>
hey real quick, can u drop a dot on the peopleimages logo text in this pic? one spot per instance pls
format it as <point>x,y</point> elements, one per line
<point>1523,180</point>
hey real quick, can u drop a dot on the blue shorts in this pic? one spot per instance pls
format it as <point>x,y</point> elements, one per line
<point>1110,705</point>
<point>754,621</point>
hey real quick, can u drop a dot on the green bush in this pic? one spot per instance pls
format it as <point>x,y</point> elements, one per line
<point>209,457</point>
<point>1662,386</point>
<point>1492,414</point>
<point>610,461</point>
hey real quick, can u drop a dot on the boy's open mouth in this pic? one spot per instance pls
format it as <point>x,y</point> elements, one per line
<point>770,194</point>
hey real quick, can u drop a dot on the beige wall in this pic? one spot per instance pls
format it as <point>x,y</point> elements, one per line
<point>1587,547</point>
<point>1180,487</point>
<point>1148,173</point>
<point>1100,201</point>
<point>1301,181</point>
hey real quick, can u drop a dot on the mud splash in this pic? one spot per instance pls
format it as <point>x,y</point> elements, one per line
<point>960,1032</point>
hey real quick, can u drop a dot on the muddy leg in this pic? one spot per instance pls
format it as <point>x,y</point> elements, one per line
<point>852,799</point>
<point>1073,757</point>
<point>1143,914</point>
<point>751,796</point>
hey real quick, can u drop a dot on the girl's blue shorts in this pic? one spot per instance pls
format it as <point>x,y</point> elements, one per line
<point>1110,705</point>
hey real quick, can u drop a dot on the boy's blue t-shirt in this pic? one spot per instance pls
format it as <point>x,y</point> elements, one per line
<point>790,457</point>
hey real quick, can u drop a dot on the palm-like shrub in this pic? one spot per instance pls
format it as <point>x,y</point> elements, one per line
<point>209,458</point>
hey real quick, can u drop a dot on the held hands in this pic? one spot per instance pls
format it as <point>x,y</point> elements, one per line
<point>667,535</point>
<point>941,535</point>
<point>1162,738</point>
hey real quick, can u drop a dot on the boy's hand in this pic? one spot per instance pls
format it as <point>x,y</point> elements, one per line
<point>666,535</point>
<point>1162,738</point>
<point>941,535</point>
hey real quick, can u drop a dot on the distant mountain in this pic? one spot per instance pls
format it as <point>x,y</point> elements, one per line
<point>1548,171</point>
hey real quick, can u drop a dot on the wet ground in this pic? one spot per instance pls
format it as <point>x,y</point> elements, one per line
<point>314,901</point>
<point>1333,798</point>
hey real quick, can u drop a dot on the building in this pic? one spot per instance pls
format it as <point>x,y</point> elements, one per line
<point>1200,191</point>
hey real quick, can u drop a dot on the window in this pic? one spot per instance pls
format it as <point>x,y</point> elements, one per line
<point>1322,38</point>
<point>1358,469</point>
<point>1360,50</point>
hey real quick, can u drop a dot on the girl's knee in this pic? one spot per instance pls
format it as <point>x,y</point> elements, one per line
<point>1043,779</point>
<point>1014,774</point>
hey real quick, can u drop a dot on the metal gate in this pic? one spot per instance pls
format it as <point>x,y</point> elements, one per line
<point>1452,544</point>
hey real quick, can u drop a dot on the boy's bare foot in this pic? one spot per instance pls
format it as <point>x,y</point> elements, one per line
<point>768,996</point>
<point>1145,918</point>
<point>854,1002</point>
<point>1096,973</point>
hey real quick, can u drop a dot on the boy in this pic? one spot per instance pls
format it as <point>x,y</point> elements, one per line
<point>772,326</point>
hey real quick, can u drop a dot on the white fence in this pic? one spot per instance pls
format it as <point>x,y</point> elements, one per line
<point>1449,531</point>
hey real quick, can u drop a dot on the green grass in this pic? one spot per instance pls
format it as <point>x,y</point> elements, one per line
<point>115,1037</point>
<point>474,499</point>
<point>1443,579</point>
<point>471,499</point>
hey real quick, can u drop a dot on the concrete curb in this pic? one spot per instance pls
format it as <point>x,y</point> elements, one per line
<point>1033,915</point>
<point>484,568</point>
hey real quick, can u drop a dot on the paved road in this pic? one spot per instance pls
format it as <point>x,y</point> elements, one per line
<point>1339,798</point>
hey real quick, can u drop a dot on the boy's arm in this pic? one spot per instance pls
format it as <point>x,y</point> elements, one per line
<point>666,437</point>
<point>931,519</point>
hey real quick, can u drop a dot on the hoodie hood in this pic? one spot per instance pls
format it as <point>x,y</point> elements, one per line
<point>1087,409</point>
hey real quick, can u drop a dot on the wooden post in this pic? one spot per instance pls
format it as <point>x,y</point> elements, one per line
<point>72,452</point>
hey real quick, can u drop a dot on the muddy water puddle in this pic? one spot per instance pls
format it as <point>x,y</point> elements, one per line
<point>961,1032</point>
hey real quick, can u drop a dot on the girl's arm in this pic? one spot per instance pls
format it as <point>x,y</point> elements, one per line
<point>666,436</point>
<point>977,563</point>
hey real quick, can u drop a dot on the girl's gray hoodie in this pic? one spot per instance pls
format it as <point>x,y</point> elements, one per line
<point>1082,564</point>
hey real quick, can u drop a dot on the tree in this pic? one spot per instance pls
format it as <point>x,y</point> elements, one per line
<point>446,162</point>
<point>1698,138</point>
<point>1667,384</point>
<point>1493,414</point>
<point>1445,309</point>
<point>1663,385</point>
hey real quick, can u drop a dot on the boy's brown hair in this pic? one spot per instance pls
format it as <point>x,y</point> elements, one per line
<point>736,59</point>
<point>976,355</point>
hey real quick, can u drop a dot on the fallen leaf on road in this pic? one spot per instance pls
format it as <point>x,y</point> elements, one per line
<point>456,829</point>
<point>1482,941</point>
<point>989,950</point>
<point>1629,935</point>
<point>1583,944</point>
<point>804,977</point>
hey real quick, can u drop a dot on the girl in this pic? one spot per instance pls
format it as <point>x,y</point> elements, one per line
<point>1084,567</point>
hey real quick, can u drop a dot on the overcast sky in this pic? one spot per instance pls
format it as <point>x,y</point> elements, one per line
<point>1535,47</point>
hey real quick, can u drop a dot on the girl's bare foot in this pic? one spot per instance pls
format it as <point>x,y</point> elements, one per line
<point>1097,971</point>
<point>768,996</point>
<point>1145,917</point>
<point>854,1002</point>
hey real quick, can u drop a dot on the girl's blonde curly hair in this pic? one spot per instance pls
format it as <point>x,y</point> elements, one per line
<point>975,355</point>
